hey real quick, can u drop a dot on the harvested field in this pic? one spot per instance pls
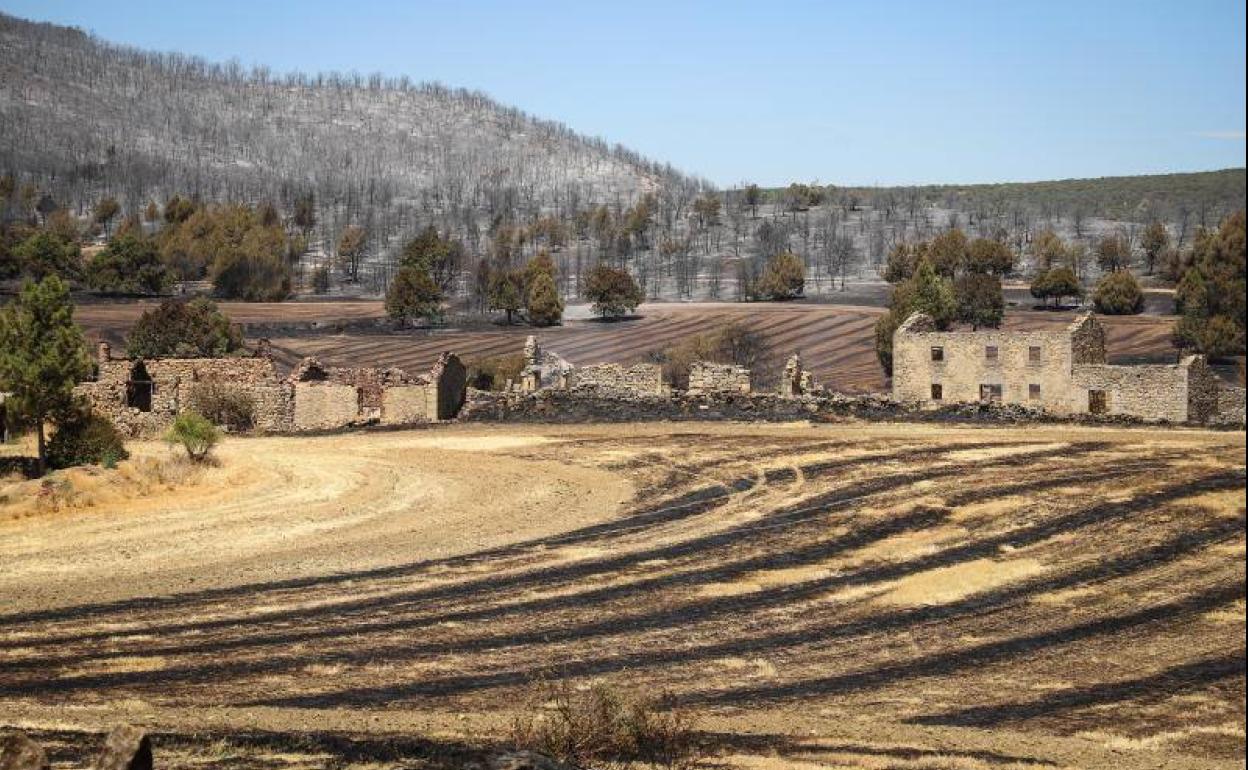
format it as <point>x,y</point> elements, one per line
<point>841,596</point>
<point>836,341</point>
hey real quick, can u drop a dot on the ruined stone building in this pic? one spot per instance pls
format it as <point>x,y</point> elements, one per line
<point>1063,372</point>
<point>142,396</point>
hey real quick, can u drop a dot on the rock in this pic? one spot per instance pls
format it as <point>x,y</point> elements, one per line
<point>17,752</point>
<point>126,748</point>
<point>526,760</point>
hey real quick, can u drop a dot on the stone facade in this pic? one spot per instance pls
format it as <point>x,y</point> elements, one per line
<point>143,396</point>
<point>707,377</point>
<point>638,380</point>
<point>1062,372</point>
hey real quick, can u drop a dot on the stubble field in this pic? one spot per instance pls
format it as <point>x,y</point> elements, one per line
<point>839,596</point>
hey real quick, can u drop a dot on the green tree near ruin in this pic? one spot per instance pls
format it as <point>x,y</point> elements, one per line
<point>413,294</point>
<point>438,256</point>
<point>925,292</point>
<point>1118,293</point>
<point>184,329</point>
<point>42,356</point>
<point>989,256</point>
<point>612,291</point>
<point>784,277</point>
<point>506,292</point>
<point>46,253</point>
<point>981,301</point>
<point>544,305</point>
<point>129,264</point>
<point>1210,295</point>
<point>1056,284</point>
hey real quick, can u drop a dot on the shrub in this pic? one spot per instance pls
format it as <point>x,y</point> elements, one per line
<point>492,373</point>
<point>130,264</point>
<point>86,439</point>
<point>732,343</point>
<point>602,728</point>
<point>981,301</point>
<point>194,433</point>
<point>1118,293</point>
<point>224,404</point>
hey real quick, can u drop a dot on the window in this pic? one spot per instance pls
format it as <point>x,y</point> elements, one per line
<point>1098,402</point>
<point>1034,354</point>
<point>990,394</point>
<point>938,354</point>
<point>1033,392</point>
<point>992,353</point>
<point>938,391</point>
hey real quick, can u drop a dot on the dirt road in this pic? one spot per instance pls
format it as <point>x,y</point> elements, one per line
<point>862,596</point>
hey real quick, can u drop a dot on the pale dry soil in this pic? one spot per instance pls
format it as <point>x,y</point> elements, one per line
<point>832,596</point>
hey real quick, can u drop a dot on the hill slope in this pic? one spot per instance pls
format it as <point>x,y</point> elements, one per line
<point>86,118</point>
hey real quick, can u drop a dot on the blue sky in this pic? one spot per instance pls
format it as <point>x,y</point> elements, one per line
<point>840,92</point>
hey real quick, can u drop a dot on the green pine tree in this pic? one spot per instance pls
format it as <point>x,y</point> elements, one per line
<point>42,355</point>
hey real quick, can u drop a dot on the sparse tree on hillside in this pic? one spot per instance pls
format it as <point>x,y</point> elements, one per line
<point>612,291</point>
<point>351,251</point>
<point>1113,252</point>
<point>105,212</point>
<point>784,277</point>
<point>1155,241</point>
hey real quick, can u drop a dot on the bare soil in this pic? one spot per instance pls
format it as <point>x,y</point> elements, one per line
<point>839,596</point>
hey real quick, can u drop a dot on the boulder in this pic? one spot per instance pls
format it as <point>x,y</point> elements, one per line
<point>126,748</point>
<point>17,752</point>
<point>526,760</point>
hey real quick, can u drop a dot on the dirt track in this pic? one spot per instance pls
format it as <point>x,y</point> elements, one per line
<point>840,596</point>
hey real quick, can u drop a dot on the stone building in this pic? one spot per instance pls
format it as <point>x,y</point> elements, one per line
<point>142,397</point>
<point>794,380</point>
<point>617,380</point>
<point>1062,371</point>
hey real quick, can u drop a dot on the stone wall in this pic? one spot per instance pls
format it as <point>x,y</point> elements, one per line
<point>449,381</point>
<point>325,406</point>
<point>636,381</point>
<point>707,377</point>
<point>1230,406</point>
<point>1182,392</point>
<point>406,404</point>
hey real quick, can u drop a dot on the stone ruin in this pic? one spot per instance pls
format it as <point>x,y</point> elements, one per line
<point>541,368</point>
<point>707,378</point>
<point>796,381</point>
<point>1062,372</point>
<point>142,397</point>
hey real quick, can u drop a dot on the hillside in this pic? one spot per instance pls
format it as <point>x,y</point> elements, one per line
<point>84,118</point>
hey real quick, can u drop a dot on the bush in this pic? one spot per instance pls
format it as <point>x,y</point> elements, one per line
<point>545,306</point>
<point>224,404</point>
<point>492,373</point>
<point>1118,293</point>
<point>413,294</point>
<point>86,439</point>
<point>130,264</point>
<point>732,343</point>
<point>602,728</point>
<point>194,433</point>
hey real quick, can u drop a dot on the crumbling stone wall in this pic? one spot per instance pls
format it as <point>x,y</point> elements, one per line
<point>1230,405</point>
<point>172,383</point>
<point>406,404</point>
<point>636,381</point>
<point>796,381</point>
<point>1182,392</point>
<point>707,377</point>
<point>449,380</point>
